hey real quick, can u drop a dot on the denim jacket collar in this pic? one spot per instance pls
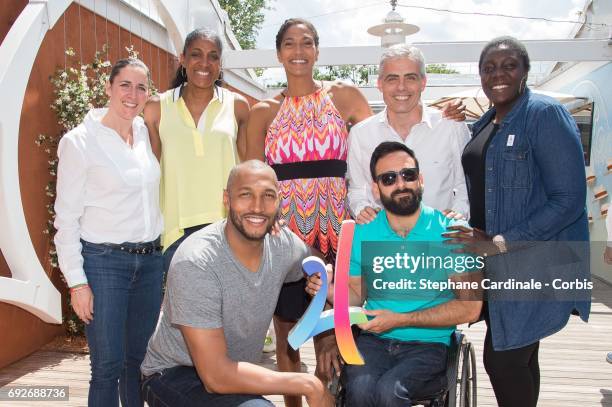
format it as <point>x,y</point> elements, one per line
<point>490,114</point>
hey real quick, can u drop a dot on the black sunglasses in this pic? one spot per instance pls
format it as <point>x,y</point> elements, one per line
<point>390,177</point>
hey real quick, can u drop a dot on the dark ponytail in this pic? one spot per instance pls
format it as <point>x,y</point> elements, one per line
<point>201,33</point>
<point>179,78</point>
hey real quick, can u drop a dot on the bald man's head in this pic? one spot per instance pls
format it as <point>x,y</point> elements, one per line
<point>251,200</point>
<point>250,167</point>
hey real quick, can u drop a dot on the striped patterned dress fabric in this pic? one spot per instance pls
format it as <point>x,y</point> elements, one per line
<point>310,128</point>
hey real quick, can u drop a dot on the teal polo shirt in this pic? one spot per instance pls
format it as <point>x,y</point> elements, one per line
<point>428,228</point>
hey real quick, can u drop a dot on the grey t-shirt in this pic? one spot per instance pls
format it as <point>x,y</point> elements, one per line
<point>207,287</point>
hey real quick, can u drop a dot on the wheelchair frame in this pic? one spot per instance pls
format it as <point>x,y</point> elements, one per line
<point>460,373</point>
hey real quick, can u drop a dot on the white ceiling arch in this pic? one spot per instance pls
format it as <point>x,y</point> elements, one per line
<point>30,287</point>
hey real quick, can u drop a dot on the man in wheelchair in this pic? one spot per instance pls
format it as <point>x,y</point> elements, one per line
<point>405,342</point>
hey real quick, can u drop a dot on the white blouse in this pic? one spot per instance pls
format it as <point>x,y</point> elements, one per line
<point>107,191</point>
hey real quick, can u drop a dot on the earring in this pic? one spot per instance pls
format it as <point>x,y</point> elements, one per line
<point>523,85</point>
<point>219,81</point>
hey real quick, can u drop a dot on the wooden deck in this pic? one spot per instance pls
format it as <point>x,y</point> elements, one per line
<point>573,364</point>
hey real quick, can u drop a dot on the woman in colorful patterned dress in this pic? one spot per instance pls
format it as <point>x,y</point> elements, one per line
<point>302,133</point>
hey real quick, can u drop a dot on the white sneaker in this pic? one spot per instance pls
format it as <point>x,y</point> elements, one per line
<point>609,357</point>
<point>270,341</point>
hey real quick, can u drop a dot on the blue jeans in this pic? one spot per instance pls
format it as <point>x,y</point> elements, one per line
<point>169,252</point>
<point>181,386</point>
<point>127,300</point>
<point>395,373</point>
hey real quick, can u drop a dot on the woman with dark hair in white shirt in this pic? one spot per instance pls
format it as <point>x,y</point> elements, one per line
<point>108,225</point>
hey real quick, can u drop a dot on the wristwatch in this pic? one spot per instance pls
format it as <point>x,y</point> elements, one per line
<point>500,242</point>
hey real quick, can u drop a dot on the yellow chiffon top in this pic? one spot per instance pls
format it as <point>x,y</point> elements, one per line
<point>195,162</point>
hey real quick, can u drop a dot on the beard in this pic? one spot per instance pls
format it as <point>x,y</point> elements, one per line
<point>405,205</point>
<point>239,225</point>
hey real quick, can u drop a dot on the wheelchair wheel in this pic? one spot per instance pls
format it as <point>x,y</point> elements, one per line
<point>453,369</point>
<point>340,401</point>
<point>337,390</point>
<point>473,383</point>
<point>467,385</point>
<point>462,376</point>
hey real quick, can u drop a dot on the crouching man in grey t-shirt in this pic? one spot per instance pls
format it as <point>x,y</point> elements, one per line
<point>221,292</point>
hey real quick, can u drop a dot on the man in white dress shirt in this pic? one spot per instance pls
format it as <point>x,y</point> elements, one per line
<point>437,141</point>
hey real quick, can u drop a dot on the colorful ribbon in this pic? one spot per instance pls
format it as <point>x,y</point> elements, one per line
<point>344,335</point>
<point>303,330</point>
<point>314,321</point>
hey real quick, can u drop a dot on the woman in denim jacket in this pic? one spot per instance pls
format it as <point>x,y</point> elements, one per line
<point>525,176</point>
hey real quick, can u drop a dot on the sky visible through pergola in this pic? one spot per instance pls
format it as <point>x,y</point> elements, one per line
<point>345,22</point>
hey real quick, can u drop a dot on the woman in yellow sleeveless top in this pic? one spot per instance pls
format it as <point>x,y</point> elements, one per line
<point>197,130</point>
